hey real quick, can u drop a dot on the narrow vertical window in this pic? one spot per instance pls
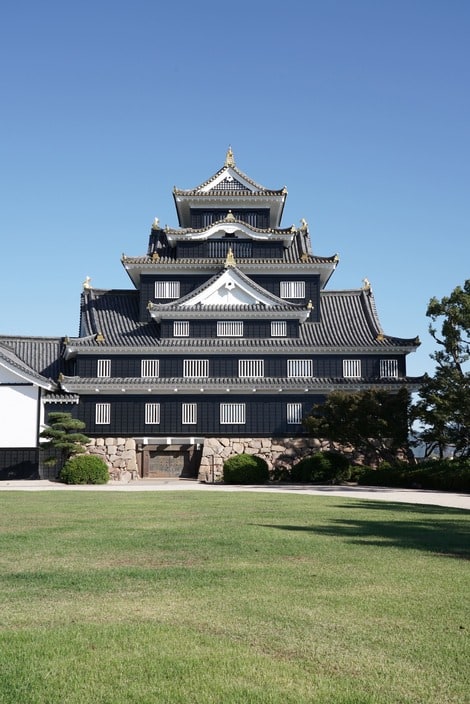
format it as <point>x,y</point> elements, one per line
<point>189,413</point>
<point>230,328</point>
<point>103,413</point>
<point>149,368</point>
<point>352,368</point>
<point>195,368</point>
<point>388,368</point>
<point>292,289</point>
<point>294,413</point>
<point>181,328</point>
<point>278,328</point>
<point>299,367</point>
<point>250,368</point>
<point>167,289</point>
<point>232,413</point>
<point>152,413</point>
<point>103,368</point>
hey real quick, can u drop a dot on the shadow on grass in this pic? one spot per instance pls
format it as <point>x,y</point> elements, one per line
<point>443,531</point>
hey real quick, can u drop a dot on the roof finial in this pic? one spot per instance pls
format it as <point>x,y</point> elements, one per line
<point>230,261</point>
<point>229,159</point>
<point>367,286</point>
<point>87,283</point>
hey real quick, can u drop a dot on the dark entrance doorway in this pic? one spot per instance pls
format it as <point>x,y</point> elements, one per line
<point>167,464</point>
<point>172,460</point>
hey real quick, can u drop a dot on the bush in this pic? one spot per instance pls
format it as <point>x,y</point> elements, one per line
<point>84,469</point>
<point>328,467</point>
<point>245,469</point>
<point>440,475</point>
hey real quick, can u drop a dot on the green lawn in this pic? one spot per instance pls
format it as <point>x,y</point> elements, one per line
<point>231,598</point>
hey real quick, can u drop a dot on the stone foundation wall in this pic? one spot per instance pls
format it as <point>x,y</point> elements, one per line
<point>120,456</point>
<point>278,452</point>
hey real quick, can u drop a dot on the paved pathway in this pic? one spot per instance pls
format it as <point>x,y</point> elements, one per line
<point>376,493</point>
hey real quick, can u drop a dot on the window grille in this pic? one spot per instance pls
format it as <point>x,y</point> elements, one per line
<point>299,367</point>
<point>195,368</point>
<point>388,368</point>
<point>149,368</point>
<point>152,413</point>
<point>250,368</point>
<point>189,413</point>
<point>229,184</point>
<point>352,368</point>
<point>103,413</point>
<point>232,413</point>
<point>229,328</point>
<point>104,367</point>
<point>294,413</point>
<point>181,328</point>
<point>278,328</point>
<point>292,289</point>
<point>167,289</point>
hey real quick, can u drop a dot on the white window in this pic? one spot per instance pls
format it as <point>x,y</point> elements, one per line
<point>195,368</point>
<point>103,413</point>
<point>104,367</point>
<point>152,413</point>
<point>251,368</point>
<point>230,328</point>
<point>149,368</point>
<point>278,328</point>
<point>232,413</point>
<point>388,368</point>
<point>181,328</point>
<point>352,368</point>
<point>292,289</point>
<point>299,367</point>
<point>167,289</point>
<point>189,413</point>
<point>294,413</point>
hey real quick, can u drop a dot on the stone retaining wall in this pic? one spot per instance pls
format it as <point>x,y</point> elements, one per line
<point>120,456</point>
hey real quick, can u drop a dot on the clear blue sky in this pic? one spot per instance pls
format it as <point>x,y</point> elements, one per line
<point>360,107</point>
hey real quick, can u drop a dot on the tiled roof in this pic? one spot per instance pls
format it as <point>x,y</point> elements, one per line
<point>37,357</point>
<point>258,188</point>
<point>349,322</point>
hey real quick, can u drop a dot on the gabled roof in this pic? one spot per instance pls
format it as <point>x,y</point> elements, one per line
<point>229,185</point>
<point>349,324</point>
<point>34,359</point>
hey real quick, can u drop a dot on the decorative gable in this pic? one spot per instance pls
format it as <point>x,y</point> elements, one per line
<point>228,290</point>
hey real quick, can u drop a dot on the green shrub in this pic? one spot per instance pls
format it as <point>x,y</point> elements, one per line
<point>84,469</point>
<point>440,475</point>
<point>328,467</point>
<point>245,469</point>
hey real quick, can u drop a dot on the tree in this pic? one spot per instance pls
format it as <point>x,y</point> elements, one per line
<point>374,422</point>
<point>63,436</point>
<point>443,407</point>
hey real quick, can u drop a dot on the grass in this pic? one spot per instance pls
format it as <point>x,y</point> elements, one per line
<point>231,598</point>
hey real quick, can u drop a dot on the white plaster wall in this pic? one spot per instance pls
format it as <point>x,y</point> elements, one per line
<point>18,415</point>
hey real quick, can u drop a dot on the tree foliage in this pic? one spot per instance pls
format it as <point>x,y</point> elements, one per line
<point>63,437</point>
<point>443,407</point>
<point>374,422</point>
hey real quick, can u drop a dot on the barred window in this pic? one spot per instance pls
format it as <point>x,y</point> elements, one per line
<point>102,413</point>
<point>230,328</point>
<point>189,413</point>
<point>388,368</point>
<point>292,289</point>
<point>181,328</point>
<point>294,413</point>
<point>149,367</point>
<point>152,413</point>
<point>299,367</point>
<point>232,413</point>
<point>250,368</point>
<point>167,289</point>
<point>278,328</point>
<point>195,368</point>
<point>103,367</point>
<point>352,368</point>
